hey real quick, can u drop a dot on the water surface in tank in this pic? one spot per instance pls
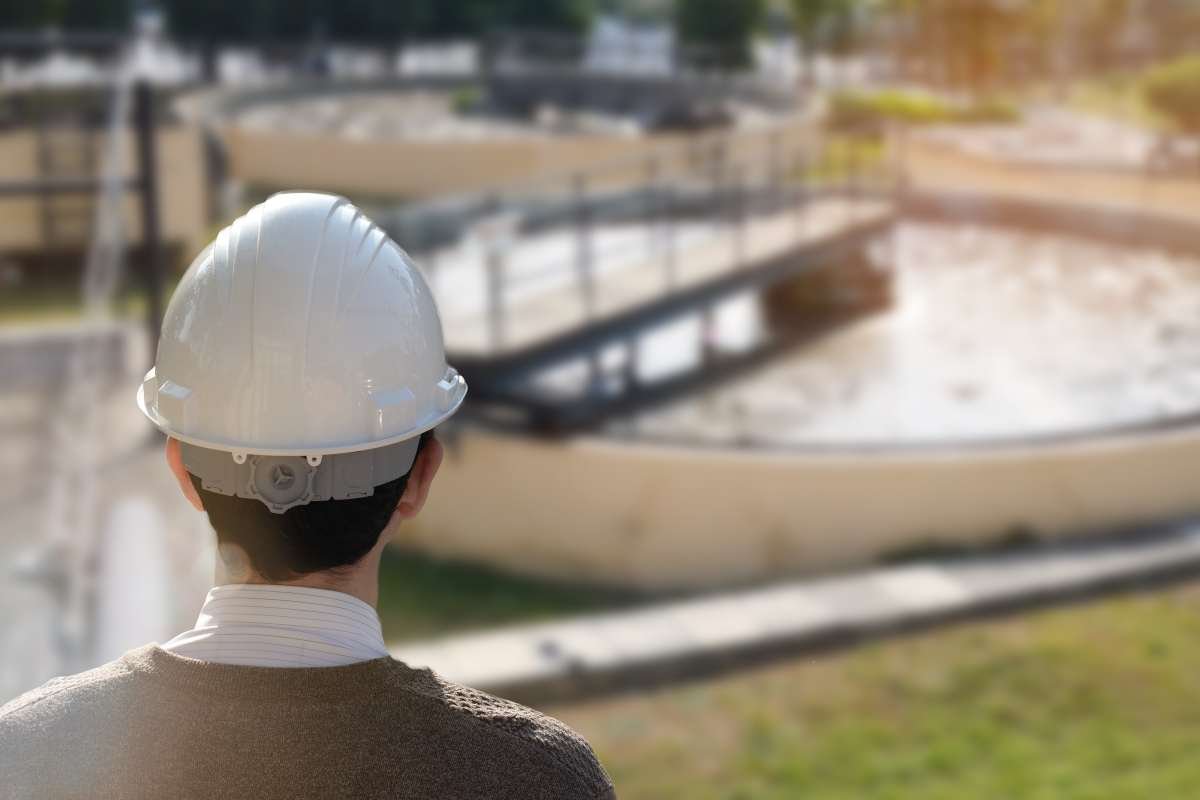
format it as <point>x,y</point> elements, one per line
<point>994,333</point>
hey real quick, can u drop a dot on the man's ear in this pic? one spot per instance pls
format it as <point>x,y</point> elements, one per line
<point>420,478</point>
<point>175,462</point>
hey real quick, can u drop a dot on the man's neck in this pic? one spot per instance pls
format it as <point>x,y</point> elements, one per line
<point>359,580</point>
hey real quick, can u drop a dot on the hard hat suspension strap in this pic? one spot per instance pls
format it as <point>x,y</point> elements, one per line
<point>283,482</point>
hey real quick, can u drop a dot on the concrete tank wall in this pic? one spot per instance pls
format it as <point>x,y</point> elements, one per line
<point>664,517</point>
<point>428,169</point>
<point>182,187</point>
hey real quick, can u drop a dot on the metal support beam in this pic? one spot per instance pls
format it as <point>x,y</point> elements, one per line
<point>152,251</point>
<point>59,186</point>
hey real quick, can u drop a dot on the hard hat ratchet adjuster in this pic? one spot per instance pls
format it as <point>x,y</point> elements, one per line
<point>283,482</point>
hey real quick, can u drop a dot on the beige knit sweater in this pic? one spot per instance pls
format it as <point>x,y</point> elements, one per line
<point>154,724</point>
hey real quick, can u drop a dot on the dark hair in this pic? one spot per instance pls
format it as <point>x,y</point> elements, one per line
<point>318,536</point>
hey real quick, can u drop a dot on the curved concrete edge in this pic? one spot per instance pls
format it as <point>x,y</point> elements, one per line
<point>424,169</point>
<point>937,169</point>
<point>558,83</point>
<point>215,102</point>
<point>665,517</point>
<point>1115,224</point>
<point>568,659</point>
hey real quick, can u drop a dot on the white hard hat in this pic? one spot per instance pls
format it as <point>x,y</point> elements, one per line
<point>302,332</point>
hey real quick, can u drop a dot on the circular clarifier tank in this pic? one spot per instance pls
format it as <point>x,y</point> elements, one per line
<point>1019,381</point>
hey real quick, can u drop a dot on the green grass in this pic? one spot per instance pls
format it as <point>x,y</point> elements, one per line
<point>58,301</point>
<point>856,110</point>
<point>423,597</point>
<point>1083,703</point>
<point>24,304</point>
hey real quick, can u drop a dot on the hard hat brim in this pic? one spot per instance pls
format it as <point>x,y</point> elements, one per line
<point>315,449</point>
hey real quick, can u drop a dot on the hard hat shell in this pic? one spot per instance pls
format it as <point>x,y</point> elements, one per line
<point>303,329</point>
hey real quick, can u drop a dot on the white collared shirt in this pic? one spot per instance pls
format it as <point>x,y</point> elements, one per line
<point>264,625</point>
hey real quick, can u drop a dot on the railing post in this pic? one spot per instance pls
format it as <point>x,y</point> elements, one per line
<point>494,264</point>
<point>708,335</point>
<point>632,383</point>
<point>653,208</point>
<point>661,211</point>
<point>585,270</point>
<point>775,170</point>
<point>738,216</point>
<point>583,250</point>
<point>717,177</point>
<point>670,202</point>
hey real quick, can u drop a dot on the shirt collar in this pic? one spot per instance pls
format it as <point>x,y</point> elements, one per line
<point>288,626</point>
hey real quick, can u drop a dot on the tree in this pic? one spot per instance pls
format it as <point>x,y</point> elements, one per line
<point>724,29</point>
<point>964,41</point>
<point>820,24</point>
<point>974,44</point>
<point>370,20</point>
<point>89,15</point>
<point>1067,37</point>
<point>214,22</point>
<point>1176,25</point>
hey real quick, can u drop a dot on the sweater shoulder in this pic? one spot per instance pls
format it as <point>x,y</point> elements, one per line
<point>37,726</point>
<point>541,736</point>
<point>57,694</point>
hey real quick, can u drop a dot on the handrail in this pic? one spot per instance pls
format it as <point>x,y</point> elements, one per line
<point>725,180</point>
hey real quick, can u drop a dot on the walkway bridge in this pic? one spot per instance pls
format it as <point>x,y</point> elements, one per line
<point>548,289</point>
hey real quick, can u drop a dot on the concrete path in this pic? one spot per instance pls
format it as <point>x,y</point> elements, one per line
<point>586,655</point>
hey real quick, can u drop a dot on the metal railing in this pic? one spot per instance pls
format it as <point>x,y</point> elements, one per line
<point>590,235</point>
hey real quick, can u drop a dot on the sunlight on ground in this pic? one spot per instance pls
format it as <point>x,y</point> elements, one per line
<point>1097,701</point>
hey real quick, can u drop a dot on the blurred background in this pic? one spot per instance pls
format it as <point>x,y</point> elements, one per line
<point>788,323</point>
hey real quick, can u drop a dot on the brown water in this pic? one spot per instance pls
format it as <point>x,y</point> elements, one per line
<point>994,333</point>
